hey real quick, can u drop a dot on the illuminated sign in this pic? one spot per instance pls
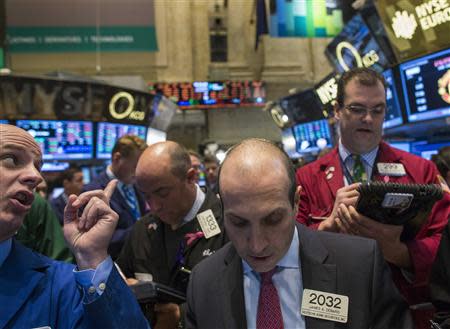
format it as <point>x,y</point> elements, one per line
<point>206,94</point>
<point>64,99</point>
<point>404,24</point>
<point>327,89</point>
<point>121,106</point>
<point>355,46</point>
<point>416,27</point>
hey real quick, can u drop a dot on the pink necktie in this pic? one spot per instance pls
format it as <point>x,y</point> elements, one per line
<point>269,310</point>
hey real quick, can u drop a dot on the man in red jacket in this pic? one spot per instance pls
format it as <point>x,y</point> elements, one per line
<point>329,187</point>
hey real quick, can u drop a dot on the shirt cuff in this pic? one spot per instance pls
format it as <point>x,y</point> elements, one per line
<point>93,282</point>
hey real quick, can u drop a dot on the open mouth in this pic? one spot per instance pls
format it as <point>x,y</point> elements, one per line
<point>24,198</point>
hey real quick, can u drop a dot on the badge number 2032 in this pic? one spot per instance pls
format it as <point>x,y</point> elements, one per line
<point>324,305</point>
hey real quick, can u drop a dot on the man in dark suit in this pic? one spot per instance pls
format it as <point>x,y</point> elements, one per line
<point>167,243</point>
<point>126,201</point>
<point>278,274</point>
<point>72,181</point>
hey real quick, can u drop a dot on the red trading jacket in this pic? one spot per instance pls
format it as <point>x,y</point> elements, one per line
<point>318,195</point>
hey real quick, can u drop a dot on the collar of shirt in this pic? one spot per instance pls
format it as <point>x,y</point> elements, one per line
<point>368,158</point>
<point>290,260</point>
<point>199,199</point>
<point>109,173</point>
<point>5,249</point>
<point>120,185</point>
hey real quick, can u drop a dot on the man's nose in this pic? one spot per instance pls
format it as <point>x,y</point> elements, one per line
<point>31,176</point>
<point>257,241</point>
<point>154,204</point>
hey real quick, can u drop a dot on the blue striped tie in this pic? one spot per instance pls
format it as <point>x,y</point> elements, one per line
<point>131,201</point>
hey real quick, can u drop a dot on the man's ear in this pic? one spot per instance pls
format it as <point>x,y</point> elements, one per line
<point>298,190</point>
<point>190,175</point>
<point>337,111</point>
<point>116,156</point>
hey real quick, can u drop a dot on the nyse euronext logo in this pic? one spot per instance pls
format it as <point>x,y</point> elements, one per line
<point>404,24</point>
<point>428,15</point>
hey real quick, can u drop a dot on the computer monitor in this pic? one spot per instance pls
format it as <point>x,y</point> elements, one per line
<point>393,116</point>
<point>302,107</point>
<point>61,140</point>
<point>289,143</point>
<point>426,86</point>
<point>426,149</point>
<point>4,121</point>
<point>108,133</point>
<point>313,136</point>
<point>401,145</point>
<point>155,136</point>
<point>86,175</point>
<point>55,166</point>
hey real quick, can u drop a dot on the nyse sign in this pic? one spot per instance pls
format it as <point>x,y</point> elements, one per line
<point>122,105</point>
<point>362,60</point>
<point>327,91</point>
<point>46,98</point>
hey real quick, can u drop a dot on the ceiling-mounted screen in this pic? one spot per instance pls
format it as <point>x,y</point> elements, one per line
<point>302,107</point>
<point>311,137</point>
<point>355,46</point>
<point>426,86</point>
<point>61,140</point>
<point>415,27</point>
<point>427,149</point>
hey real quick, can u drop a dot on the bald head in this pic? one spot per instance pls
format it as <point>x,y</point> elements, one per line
<point>165,176</point>
<point>11,135</point>
<point>253,159</point>
<point>170,155</point>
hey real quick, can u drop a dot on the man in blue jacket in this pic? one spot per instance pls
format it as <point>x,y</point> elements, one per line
<point>36,291</point>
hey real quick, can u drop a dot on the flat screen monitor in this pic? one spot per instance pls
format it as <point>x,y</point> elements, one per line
<point>86,175</point>
<point>55,166</point>
<point>108,133</point>
<point>355,46</point>
<point>4,121</point>
<point>302,107</point>
<point>401,145</point>
<point>313,136</point>
<point>155,136</point>
<point>426,86</point>
<point>426,149</point>
<point>289,143</point>
<point>61,140</point>
<point>393,116</point>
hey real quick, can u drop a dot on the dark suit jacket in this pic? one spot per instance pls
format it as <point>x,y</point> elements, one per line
<point>36,291</point>
<point>345,265</point>
<point>58,205</point>
<point>121,207</point>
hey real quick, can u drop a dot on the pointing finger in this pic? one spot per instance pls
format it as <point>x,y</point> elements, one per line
<point>71,209</point>
<point>110,188</point>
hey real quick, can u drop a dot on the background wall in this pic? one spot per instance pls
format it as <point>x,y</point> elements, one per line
<point>184,55</point>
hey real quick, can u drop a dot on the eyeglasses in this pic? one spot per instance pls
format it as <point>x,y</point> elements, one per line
<point>361,111</point>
